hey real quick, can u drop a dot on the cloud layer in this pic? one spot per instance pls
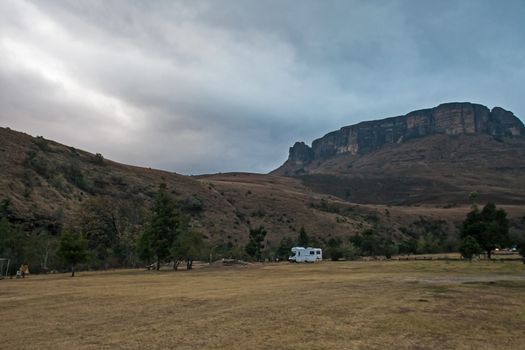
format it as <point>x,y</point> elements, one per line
<point>215,86</point>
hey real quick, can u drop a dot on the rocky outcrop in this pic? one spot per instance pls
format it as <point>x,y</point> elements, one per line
<point>450,118</point>
<point>300,154</point>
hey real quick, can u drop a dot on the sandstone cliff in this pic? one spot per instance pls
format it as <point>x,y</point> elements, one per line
<point>362,138</point>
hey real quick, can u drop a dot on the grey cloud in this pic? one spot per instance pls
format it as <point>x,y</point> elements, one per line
<point>207,86</point>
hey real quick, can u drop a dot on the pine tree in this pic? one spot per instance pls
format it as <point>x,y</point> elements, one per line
<point>161,230</point>
<point>303,239</point>
<point>72,249</point>
<point>255,245</point>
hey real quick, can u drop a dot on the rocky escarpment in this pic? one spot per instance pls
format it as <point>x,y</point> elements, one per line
<point>365,137</point>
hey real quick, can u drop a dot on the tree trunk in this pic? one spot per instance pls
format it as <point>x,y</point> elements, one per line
<point>158,264</point>
<point>72,270</point>
<point>489,253</point>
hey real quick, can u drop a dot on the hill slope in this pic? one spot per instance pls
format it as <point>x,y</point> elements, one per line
<point>402,190</point>
<point>434,156</point>
<point>47,184</point>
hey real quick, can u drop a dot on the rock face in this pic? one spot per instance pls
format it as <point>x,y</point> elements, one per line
<point>450,118</point>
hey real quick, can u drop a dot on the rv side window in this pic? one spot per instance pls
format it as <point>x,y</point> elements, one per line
<point>312,252</point>
<point>318,252</point>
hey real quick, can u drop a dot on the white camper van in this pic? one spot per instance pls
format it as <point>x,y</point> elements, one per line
<point>300,254</point>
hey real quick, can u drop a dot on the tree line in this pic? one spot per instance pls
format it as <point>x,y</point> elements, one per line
<point>109,233</point>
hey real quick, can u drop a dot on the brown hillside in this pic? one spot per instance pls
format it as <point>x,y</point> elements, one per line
<point>439,169</point>
<point>435,156</point>
<point>47,183</point>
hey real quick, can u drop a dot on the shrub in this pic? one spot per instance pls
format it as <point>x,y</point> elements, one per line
<point>38,163</point>
<point>98,159</point>
<point>193,205</point>
<point>41,143</point>
<point>334,253</point>
<point>350,251</point>
<point>74,175</point>
<point>469,247</point>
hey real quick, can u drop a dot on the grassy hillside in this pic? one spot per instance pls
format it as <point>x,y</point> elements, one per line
<point>437,169</point>
<point>45,186</point>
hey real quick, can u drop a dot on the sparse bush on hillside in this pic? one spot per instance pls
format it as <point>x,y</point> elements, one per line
<point>193,205</point>
<point>74,151</point>
<point>99,184</point>
<point>74,175</point>
<point>258,213</point>
<point>325,206</point>
<point>38,163</point>
<point>118,180</point>
<point>41,143</point>
<point>57,181</point>
<point>5,208</point>
<point>240,215</point>
<point>98,159</point>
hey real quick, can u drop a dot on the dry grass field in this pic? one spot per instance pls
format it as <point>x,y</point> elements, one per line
<point>346,305</point>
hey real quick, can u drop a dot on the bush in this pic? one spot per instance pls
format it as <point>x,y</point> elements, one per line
<point>350,251</point>
<point>75,176</point>
<point>38,163</point>
<point>193,205</point>
<point>372,243</point>
<point>98,159</point>
<point>41,143</point>
<point>469,247</point>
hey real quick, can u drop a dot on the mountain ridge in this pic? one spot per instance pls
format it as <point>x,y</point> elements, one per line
<point>454,118</point>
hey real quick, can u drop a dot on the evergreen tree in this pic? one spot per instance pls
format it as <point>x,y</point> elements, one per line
<point>13,243</point>
<point>284,249</point>
<point>162,229</point>
<point>255,245</point>
<point>144,247</point>
<point>72,249</point>
<point>303,239</point>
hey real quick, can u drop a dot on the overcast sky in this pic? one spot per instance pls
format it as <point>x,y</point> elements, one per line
<point>216,86</point>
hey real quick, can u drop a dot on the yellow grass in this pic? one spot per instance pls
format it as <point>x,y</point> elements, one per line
<point>354,305</point>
